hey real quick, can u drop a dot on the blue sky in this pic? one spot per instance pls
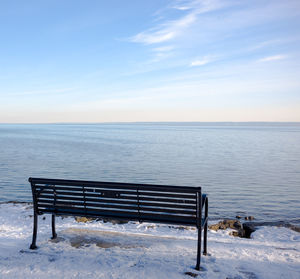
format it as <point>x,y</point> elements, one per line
<point>113,61</point>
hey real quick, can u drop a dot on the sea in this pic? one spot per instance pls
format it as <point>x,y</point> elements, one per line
<point>246,169</point>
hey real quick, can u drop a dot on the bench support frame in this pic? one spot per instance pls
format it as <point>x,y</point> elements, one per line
<point>201,201</point>
<point>202,224</point>
<point>54,235</point>
<point>35,226</point>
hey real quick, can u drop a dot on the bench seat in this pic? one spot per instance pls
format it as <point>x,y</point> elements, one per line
<point>176,205</point>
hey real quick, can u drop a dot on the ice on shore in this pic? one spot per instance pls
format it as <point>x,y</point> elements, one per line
<point>133,250</point>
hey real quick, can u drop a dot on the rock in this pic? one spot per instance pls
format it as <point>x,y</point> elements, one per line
<point>238,217</point>
<point>113,221</point>
<point>248,229</point>
<point>225,224</point>
<point>235,233</point>
<point>179,227</point>
<point>214,227</point>
<point>238,233</point>
<point>249,218</point>
<point>192,274</point>
<point>83,219</point>
<point>151,227</point>
<point>233,224</point>
<point>240,230</point>
<point>117,222</point>
<point>222,226</point>
<point>294,228</point>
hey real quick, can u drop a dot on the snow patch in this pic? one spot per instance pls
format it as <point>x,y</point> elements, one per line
<point>133,250</point>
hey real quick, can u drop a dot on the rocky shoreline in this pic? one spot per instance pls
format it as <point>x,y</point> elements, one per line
<point>245,229</point>
<point>240,229</point>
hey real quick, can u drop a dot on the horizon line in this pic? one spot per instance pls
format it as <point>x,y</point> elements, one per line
<point>149,122</point>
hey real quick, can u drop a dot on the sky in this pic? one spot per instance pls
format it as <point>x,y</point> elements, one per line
<point>158,60</point>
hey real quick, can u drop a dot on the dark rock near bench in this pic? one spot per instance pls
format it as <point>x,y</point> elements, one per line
<point>84,219</point>
<point>240,230</point>
<point>294,228</point>
<point>214,227</point>
<point>225,224</point>
<point>114,221</point>
<point>192,274</point>
<point>248,228</point>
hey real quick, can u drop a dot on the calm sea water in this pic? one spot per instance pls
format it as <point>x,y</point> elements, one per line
<point>246,169</point>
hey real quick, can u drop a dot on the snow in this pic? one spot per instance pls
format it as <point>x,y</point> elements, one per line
<point>133,250</point>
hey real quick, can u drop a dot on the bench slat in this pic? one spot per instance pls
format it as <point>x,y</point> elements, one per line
<point>87,206</point>
<point>124,194</point>
<point>119,185</point>
<point>123,189</point>
<point>144,218</point>
<point>99,189</point>
<point>115,213</point>
<point>153,199</point>
<point>174,203</point>
<point>49,199</point>
<point>168,200</point>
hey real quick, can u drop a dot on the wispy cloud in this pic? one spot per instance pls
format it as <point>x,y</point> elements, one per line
<point>166,37</point>
<point>161,53</point>
<point>188,32</point>
<point>165,32</point>
<point>171,29</point>
<point>182,8</point>
<point>200,5</point>
<point>201,62</point>
<point>264,44</point>
<point>272,58</point>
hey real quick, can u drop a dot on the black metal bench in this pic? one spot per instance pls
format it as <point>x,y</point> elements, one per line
<point>138,202</point>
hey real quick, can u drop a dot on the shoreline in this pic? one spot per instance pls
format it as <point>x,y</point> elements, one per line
<point>251,224</point>
<point>134,250</point>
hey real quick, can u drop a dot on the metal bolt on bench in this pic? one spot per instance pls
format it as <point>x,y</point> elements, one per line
<point>122,201</point>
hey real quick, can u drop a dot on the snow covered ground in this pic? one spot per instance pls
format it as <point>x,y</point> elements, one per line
<point>133,250</point>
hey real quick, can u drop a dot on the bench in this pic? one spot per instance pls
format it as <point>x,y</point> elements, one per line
<point>122,201</point>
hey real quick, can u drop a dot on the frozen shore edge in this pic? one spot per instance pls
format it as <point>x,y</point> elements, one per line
<point>253,224</point>
<point>133,250</point>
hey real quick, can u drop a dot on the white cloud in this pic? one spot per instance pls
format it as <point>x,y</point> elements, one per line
<point>171,29</point>
<point>264,44</point>
<point>161,53</point>
<point>272,58</point>
<point>153,37</point>
<point>164,32</point>
<point>182,8</point>
<point>201,62</point>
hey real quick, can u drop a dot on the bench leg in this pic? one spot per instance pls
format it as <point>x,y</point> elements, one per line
<point>54,235</point>
<point>35,224</point>
<point>205,240</point>
<point>205,229</point>
<point>198,249</point>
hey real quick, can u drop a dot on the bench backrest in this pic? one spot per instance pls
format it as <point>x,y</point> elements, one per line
<point>141,202</point>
